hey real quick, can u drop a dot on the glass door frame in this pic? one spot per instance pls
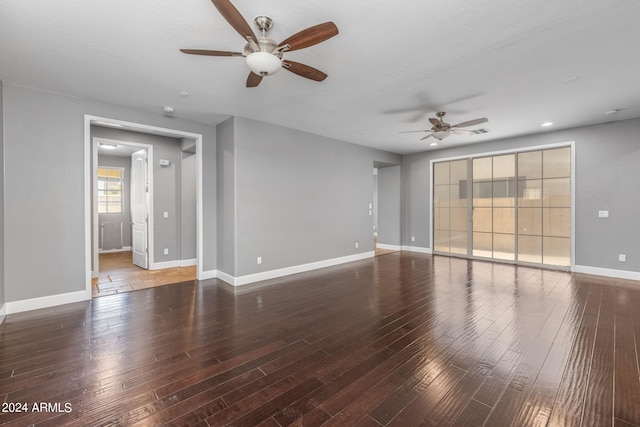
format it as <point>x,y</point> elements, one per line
<point>524,149</point>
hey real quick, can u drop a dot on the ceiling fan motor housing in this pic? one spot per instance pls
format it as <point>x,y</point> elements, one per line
<point>264,58</point>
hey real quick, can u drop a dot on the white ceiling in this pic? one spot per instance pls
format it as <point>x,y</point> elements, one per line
<point>393,64</point>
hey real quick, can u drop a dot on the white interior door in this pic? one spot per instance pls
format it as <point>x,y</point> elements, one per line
<point>139,209</point>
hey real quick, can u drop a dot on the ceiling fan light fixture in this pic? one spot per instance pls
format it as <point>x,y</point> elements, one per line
<point>263,63</point>
<point>441,134</point>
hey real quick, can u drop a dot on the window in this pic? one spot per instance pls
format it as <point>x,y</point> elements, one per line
<point>110,190</point>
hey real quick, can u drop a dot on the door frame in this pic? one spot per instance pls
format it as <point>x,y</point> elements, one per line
<point>96,228</point>
<point>571,144</point>
<point>148,129</point>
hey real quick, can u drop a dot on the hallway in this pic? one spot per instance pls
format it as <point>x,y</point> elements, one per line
<point>118,275</point>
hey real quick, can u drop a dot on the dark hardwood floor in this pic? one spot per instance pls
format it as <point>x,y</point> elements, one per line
<point>403,339</point>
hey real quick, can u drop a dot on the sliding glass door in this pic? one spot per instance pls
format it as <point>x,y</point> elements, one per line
<point>517,207</point>
<point>544,207</point>
<point>494,194</point>
<point>450,212</point>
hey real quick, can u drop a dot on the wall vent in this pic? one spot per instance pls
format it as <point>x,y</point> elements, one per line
<point>480,131</point>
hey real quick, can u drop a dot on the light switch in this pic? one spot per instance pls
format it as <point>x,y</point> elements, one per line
<point>166,215</point>
<point>603,214</point>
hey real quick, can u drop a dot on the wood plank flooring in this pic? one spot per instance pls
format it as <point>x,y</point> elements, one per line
<point>400,340</point>
<point>118,275</point>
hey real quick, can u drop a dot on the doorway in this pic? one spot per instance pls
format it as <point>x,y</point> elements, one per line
<point>169,271</point>
<point>122,200</point>
<point>386,208</point>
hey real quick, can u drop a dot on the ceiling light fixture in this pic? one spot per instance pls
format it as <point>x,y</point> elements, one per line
<point>546,124</point>
<point>108,146</point>
<point>441,134</point>
<point>610,112</point>
<point>168,110</point>
<point>433,144</point>
<point>263,63</point>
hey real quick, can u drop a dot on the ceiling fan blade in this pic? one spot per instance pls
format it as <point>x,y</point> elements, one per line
<point>304,70</point>
<point>234,18</point>
<point>426,136</point>
<point>254,79</point>
<point>435,121</point>
<point>210,52</point>
<point>311,36</point>
<point>462,132</point>
<point>471,123</point>
<point>413,131</point>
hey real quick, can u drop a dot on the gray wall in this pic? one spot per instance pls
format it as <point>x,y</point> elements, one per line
<point>166,187</point>
<point>607,177</point>
<point>2,273</point>
<point>188,238</point>
<point>389,205</point>
<point>44,137</point>
<point>300,198</point>
<point>226,203</point>
<point>111,230</point>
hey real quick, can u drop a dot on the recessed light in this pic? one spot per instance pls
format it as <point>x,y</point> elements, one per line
<point>433,144</point>
<point>108,146</point>
<point>184,94</point>
<point>546,124</point>
<point>571,79</point>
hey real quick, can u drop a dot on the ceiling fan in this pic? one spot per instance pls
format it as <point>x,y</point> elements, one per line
<point>440,130</point>
<point>263,55</point>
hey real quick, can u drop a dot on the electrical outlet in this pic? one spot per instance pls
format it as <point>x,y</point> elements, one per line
<point>622,258</point>
<point>166,251</point>
<point>413,238</point>
<point>356,245</point>
<point>259,260</point>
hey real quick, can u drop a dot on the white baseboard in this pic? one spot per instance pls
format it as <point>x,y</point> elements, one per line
<point>417,249</point>
<point>108,251</point>
<point>607,272</point>
<point>165,264</point>
<point>273,274</point>
<point>188,262</point>
<point>388,247</point>
<point>226,277</point>
<point>46,302</point>
<point>172,264</point>
<point>209,274</point>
